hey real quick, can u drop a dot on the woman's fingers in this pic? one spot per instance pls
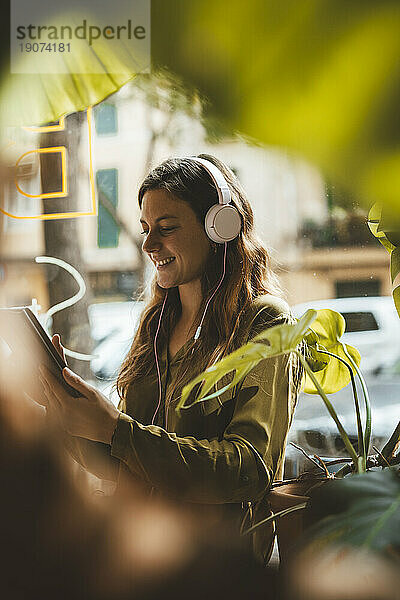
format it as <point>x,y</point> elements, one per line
<point>56,341</point>
<point>53,407</point>
<point>58,395</point>
<point>91,415</point>
<point>52,398</point>
<point>77,382</point>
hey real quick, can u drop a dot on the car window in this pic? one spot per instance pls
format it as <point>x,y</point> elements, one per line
<point>360,321</point>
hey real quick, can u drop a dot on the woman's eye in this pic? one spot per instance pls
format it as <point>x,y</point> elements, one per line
<point>162,230</point>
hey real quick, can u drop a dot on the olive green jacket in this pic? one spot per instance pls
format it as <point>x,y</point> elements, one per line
<point>209,454</point>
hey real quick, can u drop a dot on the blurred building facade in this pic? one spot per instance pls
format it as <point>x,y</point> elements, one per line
<point>317,255</point>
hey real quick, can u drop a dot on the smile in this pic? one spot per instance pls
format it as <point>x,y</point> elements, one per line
<point>166,261</point>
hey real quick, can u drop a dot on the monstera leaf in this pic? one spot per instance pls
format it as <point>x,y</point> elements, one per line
<point>386,228</point>
<point>374,218</point>
<point>363,510</point>
<point>281,339</point>
<point>325,372</point>
<point>328,328</point>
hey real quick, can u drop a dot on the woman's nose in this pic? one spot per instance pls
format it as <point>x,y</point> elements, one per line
<point>151,243</point>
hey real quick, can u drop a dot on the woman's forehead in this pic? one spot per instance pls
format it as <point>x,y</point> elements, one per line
<point>156,203</point>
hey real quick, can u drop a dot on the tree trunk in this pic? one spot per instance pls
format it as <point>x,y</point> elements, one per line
<point>108,205</point>
<point>62,241</point>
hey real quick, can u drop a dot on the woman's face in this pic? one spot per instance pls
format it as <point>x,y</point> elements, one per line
<point>171,231</point>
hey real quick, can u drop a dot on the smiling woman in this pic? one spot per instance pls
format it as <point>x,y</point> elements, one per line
<point>213,289</point>
<point>172,232</point>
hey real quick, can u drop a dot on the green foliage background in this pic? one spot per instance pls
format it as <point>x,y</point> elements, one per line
<point>321,78</point>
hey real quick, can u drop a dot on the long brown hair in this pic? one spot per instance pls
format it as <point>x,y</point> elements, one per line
<point>248,275</point>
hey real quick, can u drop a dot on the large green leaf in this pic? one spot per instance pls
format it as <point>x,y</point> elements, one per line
<point>329,327</point>
<point>315,358</point>
<point>390,224</point>
<point>374,223</point>
<point>362,510</point>
<point>75,80</point>
<point>396,298</point>
<point>385,226</point>
<point>285,338</point>
<point>299,79</point>
<point>395,263</point>
<point>281,339</point>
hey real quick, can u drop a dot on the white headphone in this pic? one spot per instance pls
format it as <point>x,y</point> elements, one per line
<point>222,221</point>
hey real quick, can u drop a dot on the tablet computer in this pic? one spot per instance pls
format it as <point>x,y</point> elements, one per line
<point>23,337</point>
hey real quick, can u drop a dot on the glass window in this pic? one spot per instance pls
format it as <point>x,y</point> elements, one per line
<point>358,288</point>
<point>105,117</point>
<point>107,191</point>
<point>360,321</point>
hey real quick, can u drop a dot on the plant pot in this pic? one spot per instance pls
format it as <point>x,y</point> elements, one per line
<point>290,527</point>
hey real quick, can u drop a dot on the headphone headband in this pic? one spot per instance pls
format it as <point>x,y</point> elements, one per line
<point>222,222</point>
<point>224,193</point>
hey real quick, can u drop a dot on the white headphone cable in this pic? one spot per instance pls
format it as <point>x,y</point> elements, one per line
<point>155,353</point>
<point>198,330</point>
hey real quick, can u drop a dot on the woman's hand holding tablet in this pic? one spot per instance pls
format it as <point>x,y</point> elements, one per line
<point>90,414</point>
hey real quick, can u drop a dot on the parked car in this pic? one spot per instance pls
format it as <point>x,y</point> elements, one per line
<point>113,326</point>
<point>315,432</point>
<point>372,326</point>
<point>108,317</point>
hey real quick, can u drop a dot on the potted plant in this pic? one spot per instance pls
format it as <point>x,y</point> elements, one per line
<point>328,365</point>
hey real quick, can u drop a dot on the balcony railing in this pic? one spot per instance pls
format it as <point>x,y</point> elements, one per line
<point>350,229</point>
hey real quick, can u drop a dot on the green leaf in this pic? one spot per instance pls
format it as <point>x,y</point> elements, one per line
<point>285,338</point>
<point>281,340</point>
<point>335,376</point>
<point>374,219</point>
<point>395,263</point>
<point>389,223</point>
<point>349,446</point>
<point>362,510</point>
<point>396,298</point>
<point>322,113</point>
<point>311,338</point>
<point>375,212</point>
<point>316,359</point>
<point>329,327</point>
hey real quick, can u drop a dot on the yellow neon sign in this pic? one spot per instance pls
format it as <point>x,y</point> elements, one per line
<point>53,150</point>
<point>64,191</point>
<point>60,126</point>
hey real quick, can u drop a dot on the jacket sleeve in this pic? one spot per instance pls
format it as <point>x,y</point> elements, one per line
<point>92,456</point>
<point>240,467</point>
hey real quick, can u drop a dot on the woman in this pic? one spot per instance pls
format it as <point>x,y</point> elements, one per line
<point>208,298</point>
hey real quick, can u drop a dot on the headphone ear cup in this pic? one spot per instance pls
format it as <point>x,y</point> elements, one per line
<point>222,223</point>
